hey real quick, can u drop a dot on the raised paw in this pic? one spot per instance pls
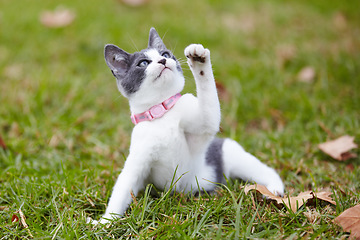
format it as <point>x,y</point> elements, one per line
<point>196,53</point>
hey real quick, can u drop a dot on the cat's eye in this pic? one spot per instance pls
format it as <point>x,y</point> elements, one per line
<point>166,55</point>
<point>143,63</point>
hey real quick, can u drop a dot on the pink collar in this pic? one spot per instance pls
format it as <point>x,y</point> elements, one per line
<point>156,111</point>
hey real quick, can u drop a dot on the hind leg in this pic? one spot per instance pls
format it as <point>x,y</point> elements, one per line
<point>240,164</point>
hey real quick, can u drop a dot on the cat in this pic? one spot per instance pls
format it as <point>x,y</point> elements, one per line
<point>174,135</point>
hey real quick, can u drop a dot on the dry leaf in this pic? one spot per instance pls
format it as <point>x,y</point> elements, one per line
<point>2,144</point>
<point>325,196</point>
<point>14,218</point>
<point>349,220</point>
<point>293,203</point>
<point>56,19</point>
<point>339,148</point>
<point>307,74</point>
<point>224,94</point>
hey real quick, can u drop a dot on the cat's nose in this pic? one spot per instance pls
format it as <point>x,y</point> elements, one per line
<point>162,61</point>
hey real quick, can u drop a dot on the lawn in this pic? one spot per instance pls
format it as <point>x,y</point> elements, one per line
<point>66,129</point>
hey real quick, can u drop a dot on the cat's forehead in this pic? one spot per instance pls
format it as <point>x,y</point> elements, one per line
<point>147,53</point>
<point>152,53</point>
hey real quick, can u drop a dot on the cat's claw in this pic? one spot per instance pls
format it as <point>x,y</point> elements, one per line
<point>196,53</point>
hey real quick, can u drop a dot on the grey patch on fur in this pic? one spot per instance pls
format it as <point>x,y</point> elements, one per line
<point>125,66</point>
<point>214,158</point>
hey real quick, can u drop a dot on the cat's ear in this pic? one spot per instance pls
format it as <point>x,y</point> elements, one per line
<point>155,40</point>
<point>117,59</point>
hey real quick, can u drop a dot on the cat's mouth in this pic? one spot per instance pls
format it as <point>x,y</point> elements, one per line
<point>163,70</point>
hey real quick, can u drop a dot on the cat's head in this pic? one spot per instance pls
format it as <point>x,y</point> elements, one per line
<point>147,77</point>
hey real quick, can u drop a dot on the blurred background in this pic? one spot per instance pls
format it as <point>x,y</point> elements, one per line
<point>286,70</point>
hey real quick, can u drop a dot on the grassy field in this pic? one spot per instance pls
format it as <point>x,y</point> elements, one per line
<point>66,127</point>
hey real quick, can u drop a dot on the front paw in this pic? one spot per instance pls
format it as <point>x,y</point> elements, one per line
<point>276,188</point>
<point>197,54</point>
<point>103,221</point>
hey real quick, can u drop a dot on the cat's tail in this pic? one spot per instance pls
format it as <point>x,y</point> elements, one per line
<point>237,163</point>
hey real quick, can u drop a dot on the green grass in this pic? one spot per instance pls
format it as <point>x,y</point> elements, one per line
<point>67,128</point>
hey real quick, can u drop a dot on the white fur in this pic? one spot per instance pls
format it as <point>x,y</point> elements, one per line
<point>179,140</point>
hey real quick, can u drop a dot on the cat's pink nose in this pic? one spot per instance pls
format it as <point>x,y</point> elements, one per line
<point>162,61</point>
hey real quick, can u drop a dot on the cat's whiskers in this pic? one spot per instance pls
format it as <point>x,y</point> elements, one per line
<point>133,42</point>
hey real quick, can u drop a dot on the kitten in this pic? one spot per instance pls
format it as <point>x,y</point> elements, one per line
<point>174,135</point>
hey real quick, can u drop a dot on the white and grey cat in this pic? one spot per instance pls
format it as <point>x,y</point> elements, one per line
<point>179,141</point>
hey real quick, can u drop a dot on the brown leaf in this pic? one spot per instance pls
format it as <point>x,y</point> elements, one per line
<point>338,148</point>
<point>56,19</point>
<point>224,94</point>
<point>349,220</point>
<point>293,203</point>
<point>325,196</point>
<point>14,218</point>
<point>307,74</point>
<point>2,144</point>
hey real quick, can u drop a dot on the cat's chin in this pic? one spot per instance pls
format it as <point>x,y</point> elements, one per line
<point>167,85</point>
<point>163,73</point>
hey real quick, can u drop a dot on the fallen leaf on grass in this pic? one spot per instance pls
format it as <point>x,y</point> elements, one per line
<point>22,218</point>
<point>56,19</point>
<point>224,94</point>
<point>307,74</point>
<point>339,148</point>
<point>14,218</point>
<point>2,144</point>
<point>349,220</point>
<point>293,203</point>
